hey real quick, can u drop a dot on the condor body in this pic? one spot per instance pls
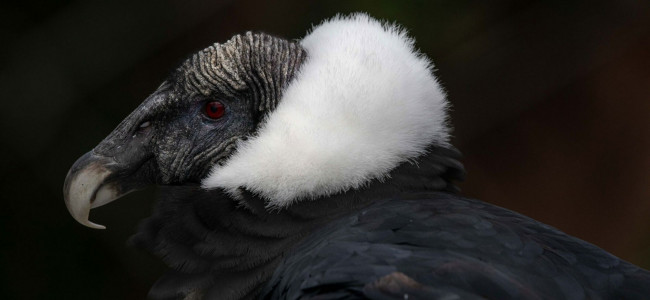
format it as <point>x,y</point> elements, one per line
<point>322,168</point>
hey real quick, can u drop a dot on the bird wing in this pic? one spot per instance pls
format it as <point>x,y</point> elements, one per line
<point>442,246</point>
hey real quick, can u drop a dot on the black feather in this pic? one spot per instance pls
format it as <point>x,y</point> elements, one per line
<point>451,247</point>
<point>393,239</point>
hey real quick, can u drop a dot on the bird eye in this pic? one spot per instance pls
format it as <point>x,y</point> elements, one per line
<point>214,109</point>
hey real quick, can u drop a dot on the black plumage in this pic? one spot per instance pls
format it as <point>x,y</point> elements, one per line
<point>429,245</point>
<point>404,238</point>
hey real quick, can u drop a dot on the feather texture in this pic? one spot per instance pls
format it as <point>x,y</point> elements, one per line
<point>363,102</point>
<point>431,245</point>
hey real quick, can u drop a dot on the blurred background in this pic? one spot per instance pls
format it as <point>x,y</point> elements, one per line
<point>551,107</point>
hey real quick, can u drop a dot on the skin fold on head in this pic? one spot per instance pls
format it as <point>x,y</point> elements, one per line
<point>192,122</point>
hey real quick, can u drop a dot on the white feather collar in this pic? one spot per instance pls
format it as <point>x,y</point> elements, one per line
<point>363,102</point>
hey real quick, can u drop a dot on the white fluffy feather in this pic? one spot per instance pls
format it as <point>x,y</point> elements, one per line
<point>363,102</point>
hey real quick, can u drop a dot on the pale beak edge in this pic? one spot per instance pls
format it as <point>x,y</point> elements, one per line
<point>85,189</point>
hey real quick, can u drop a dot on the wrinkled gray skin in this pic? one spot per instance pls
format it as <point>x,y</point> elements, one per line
<point>246,74</point>
<point>168,139</point>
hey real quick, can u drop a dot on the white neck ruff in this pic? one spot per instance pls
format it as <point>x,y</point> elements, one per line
<point>363,102</point>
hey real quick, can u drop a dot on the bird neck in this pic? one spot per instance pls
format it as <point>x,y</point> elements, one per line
<point>228,247</point>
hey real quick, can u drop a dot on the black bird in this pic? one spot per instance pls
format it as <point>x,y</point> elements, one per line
<point>322,168</point>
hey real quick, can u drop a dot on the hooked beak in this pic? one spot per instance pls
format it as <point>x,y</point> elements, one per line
<point>94,181</point>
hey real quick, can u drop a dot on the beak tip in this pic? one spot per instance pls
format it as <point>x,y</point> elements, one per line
<point>93,225</point>
<point>80,187</point>
<point>80,214</point>
<point>88,223</point>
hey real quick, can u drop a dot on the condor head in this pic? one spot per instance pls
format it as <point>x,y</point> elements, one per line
<point>287,121</point>
<point>190,124</point>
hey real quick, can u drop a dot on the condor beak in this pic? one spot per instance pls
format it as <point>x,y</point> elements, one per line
<point>92,182</point>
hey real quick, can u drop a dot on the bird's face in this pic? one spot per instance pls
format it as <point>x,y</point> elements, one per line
<point>192,122</point>
<point>179,132</point>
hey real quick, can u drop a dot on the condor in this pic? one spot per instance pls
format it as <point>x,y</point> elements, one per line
<point>322,168</point>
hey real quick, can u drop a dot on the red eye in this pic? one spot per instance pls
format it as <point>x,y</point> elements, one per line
<point>214,109</point>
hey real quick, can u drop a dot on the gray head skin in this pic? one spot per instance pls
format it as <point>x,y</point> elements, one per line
<point>169,139</point>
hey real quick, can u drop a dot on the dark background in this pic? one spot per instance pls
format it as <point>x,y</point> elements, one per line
<point>551,108</point>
